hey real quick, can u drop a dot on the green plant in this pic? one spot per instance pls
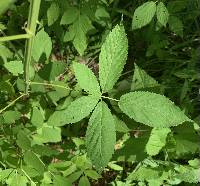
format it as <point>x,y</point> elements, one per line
<point>70,104</point>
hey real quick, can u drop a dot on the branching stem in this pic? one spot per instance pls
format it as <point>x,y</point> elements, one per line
<point>31,28</point>
<point>12,103</point>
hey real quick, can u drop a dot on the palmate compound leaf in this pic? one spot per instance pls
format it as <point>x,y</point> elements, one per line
<point>86,79</point>
<point>112,58</point>
<point>152,109</point>
<point>76,111</point>
<point>143,15</point>
<point>157,140</point>
<point>100,136</point>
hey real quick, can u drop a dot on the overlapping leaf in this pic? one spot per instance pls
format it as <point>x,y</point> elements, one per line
<point>42,45</point>
<point>157,140</point>
<point>142,80</point>
<point>100,136</point>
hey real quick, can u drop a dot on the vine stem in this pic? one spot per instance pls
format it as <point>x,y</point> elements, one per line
<point>12,103</point>
<point>31,29</point>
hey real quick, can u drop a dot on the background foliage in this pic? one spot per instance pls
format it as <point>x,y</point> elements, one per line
<point>78,57</point>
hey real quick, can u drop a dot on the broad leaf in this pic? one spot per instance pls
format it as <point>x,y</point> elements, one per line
<point>162,13</point>
<point>142,80</point>
<point>86,79</point>
<point>157,140</point>
<point>143,15</point>
<point>14,67</point>
<point>53,13</point>
<point>112,58</point>
<point>100,136</point>
<point>152,109</point>
<point>42,45</point>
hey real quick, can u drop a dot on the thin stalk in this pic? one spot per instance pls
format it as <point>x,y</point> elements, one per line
<point>31,28</point>
<point>113,99</point>
<point>49,84</point>
<point>12,103</point>
<point>15,37</point>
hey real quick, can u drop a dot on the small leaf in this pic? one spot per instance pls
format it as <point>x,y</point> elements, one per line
<point>4,5</point>
<point>34,161</point>
<point>61,181</point>
<point>11,116</point>
<point>112,58</point>
<point>176,25</point>
<point>157,140</point>
<point>70,15</point>
<point>120,125</point>
<point>42,45</point>
<point>51,134</point>
<point>143,15</point>
<point>14,67</point>
<point>23,141</point>
<point>37,118</point>
<point>80,42</point>
<point>5,52</point>
<point>162,13</point>
<point>142,80</point>
<point>84,181</point>
<point>100,136</point>
<point>115,167</point>
<point>92,174</point>
<point>86,79</point>
<point>152,109</point>
<point>53,13</point>
<point>81,27</point>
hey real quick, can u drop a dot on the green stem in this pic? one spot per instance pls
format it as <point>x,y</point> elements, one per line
<point>12,103</point>
<point>49,84</point>
<point>31,28</point>
<point>67,88</point>
<point>15,37</point>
